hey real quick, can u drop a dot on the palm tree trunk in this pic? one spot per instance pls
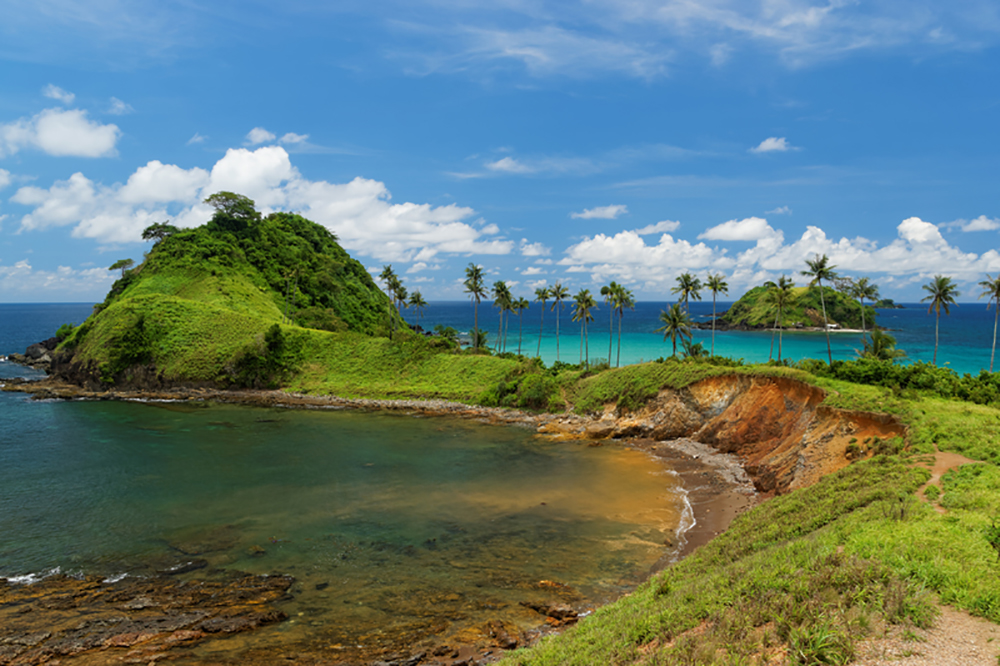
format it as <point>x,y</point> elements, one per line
<point>713,323</point>
<point>611,331</point>
<point>582,324</point>
<point>586,335</point>
<point>994,352</point>
<point>520,331</point>
<point>863,327</point>
<point>499,332</point>
<point>541,326</point>
<point>770,354</point>
<point>475,334</point>
<point>780,331</point>
<point>826,325</point>
<point>618,361</point>
<point>937,322</point>
<point>558,312</point>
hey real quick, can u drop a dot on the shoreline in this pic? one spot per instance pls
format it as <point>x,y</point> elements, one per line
<point>717,487</point>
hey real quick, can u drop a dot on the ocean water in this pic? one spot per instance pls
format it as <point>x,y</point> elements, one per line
<point>376,515</point>
<point>966,335</point>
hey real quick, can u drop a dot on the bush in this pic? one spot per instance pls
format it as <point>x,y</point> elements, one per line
<point>264,363</point>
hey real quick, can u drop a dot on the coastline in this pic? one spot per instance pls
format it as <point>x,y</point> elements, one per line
<point>717,487</point>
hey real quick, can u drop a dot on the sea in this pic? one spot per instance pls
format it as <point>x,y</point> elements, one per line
<point>965,336</point>
<point>377,516</point>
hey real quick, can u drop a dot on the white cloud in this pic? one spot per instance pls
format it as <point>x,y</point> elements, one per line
<point>61,133</point>
<point>259,135</point>
<point>197,138</point>
<point>533,270</point>
<point>534,249</point>
<point>359,212</point>
<point>509,165</point>
<point>58,94</point>
<point>719,54</point>
<point>5,178</point>
<point>773,145</point>
<point>981,223</point>
<point>601,213</point>
<point>780,210</point>
<point>21,281</point>
<point>119,108</point>
<point>749,229</point>
<point>422,266</point>
<point>664,227</point>
<point>293,138</point>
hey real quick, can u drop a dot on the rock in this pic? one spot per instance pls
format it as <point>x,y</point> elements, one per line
<point>556,611</point>
<point>36,351</point>
<point>256,551</point>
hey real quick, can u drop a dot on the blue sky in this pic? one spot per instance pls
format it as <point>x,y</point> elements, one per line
<point>579,142</point>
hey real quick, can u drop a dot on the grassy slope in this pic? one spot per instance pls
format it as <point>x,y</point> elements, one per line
<point>747,589</point>
<point>752,310</point>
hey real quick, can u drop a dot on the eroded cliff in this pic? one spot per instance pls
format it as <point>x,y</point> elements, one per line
<point>779,427</point>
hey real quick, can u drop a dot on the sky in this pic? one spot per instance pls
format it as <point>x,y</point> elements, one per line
<point>546,141</point>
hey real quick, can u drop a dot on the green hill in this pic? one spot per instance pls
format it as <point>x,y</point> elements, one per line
<point>805,310</point>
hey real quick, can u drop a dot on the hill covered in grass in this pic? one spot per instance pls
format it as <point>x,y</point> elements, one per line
<point>803,310</point>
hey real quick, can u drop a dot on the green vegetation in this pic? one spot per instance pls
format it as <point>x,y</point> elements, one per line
<point>804,310</point>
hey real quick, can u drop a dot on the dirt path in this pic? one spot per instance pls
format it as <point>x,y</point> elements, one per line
<point>957,639</point>
<point>944,461</point>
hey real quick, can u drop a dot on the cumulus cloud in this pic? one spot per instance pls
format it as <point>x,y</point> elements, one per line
<point>749,229</point>
<point>773,145</point>
<point>509,165</point>
<point>259,135</point>
<point>5,178</point>
<point>601,213</point>
<point>981,223</point>
<point>360,212</point>
<point>58,94</point>
<point>532,270</point>
<point>780,210</point>
<point>533,249</point>
<point>119,108</point>
<point>918,252</point>
<point>293,138</point>
<point>664,227</point>
<point>21,281</point>
<point>59,132</point>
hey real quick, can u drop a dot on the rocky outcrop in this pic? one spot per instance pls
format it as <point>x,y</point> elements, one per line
<point>777,426</point>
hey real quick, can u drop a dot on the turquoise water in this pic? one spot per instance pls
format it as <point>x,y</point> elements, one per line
<point>966,334</point>
<point>391,524</point>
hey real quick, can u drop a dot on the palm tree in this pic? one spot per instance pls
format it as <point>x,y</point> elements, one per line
<point>520,305</point>
<point>623,299</point>
<point>819,270</point>
<point>398,295</point>
<point>541,295</point>
<point>418,303</point>
<point>558,294</point>
<point>583,303</point>
<point>942,293</point>
<point>676,324</point>
<point>609,291</point>
<point>779,296</point>
<point>474,287</point>
<point>716,285</point>
<point>501,300</point>
<point>991,288</point>
<point>882,347</point>
<point>861,290</point>
<point>688,286</point>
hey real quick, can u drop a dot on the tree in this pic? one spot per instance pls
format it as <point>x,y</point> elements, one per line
<point>942,293</point>
<point>398,296</point>
<point>474,287</point>
<point>158,231</point>
<point>388,276</point>
<point>583,303</point>
<point>862,289</point>
<point>882,347</point>
<point>520,305</point>
<point>541,295</point>
<point>819,270</point>
<point>122,264</point>
<point>609,292</point>
<point>623,299</point>
<point>233,212</point>
<point>558,294</point>
<point>717,285</point>
<point>688,286</point>
<point>676,324</point>
<point>502,301</point>
<point>779,295</point>
<point>991,288</point>
<point>418,303</point>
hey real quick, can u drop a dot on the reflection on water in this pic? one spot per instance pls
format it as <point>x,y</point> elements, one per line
<point>395,527</point>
